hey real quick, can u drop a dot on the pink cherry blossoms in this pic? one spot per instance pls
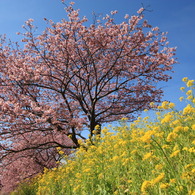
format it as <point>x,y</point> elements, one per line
<point>70,78</point>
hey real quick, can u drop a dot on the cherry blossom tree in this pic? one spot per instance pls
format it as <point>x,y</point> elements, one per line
<point>73,77</point>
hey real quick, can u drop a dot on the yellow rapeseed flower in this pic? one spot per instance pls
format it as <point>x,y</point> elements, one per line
<point>165,105</point>
<point>189,92</point>
<point>158,113</point>
<point>185,79</point>
<point>78,175</point>
<point>100,176</point>
<point>177,129</point>
<point>147,156</point>
<point>158,167</point>
<point>165,146</point>
<point>190,83</point>
<point>192,192</point>
<point>171,105</point>
<point>166,119</point>
<point>193,171</point>
<point>176,147</point>
<point>105,130</point>
<point>145,185</point>
<point>190,97</point>
<point>80,142</point>
<point>192,150</point>
<point>129,181</point>
<point>164,185</point>
<point>179,188</point>
<point>147,136</point>
<point>158,179</point>
<point>70,136</point>
<point>172,180</point>
<point>58,148</point>
<point>185,149</point>
<point>152,104</point>
<point>175,153</point>
<point>115,158</point>
<point>61,152</point>
<point>188,109</point>
<point>186,129</point>
<point>171,136</point>
<point>182,88</point>
<point>181,99</point>
<point>87,170</point>
<point>133,151</point>
<point>76,188</point>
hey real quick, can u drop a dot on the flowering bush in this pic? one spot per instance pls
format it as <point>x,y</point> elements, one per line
<point>145,157</point>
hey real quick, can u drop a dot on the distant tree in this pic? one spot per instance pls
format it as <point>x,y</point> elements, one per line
<point>72,77</point>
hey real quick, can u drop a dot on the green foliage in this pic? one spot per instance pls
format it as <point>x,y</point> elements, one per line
<point>26,189</point>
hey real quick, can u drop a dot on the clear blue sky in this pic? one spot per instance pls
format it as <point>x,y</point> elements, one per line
<point>177,17</point>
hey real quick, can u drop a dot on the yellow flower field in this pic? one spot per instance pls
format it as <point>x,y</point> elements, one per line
<point>148,156</point>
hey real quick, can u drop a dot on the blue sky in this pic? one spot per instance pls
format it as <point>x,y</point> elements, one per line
<point>177,17</point>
